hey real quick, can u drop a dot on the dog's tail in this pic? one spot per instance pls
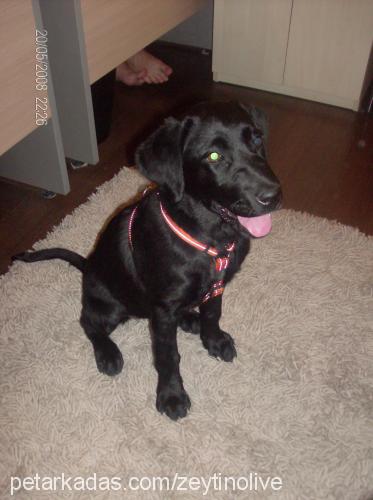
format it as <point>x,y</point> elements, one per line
<point>73,258</point>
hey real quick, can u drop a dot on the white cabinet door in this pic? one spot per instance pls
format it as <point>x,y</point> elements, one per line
<point>329,45</point>
<point>250,40</point>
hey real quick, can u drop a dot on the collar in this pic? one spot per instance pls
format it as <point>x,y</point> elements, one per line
<point>188,238</point>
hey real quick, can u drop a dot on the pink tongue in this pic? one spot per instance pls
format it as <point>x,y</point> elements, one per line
<point>257,226</point>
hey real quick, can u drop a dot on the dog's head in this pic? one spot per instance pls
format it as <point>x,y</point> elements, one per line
<point>217,154</point>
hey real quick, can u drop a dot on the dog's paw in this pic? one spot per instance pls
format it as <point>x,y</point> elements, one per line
<point>220,346</point>
<point>190,322</point>
<point>175,404</point>
<point>109,359</point>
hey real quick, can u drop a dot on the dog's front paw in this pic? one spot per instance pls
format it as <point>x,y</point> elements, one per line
<point>175,404</point>
<point>109,359</point>
<point>220,346</point>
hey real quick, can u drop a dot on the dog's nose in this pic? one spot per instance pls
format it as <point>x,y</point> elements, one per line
<point>270,197</point>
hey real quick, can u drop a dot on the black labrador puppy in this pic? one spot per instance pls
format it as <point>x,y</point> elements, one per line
<point>176,248</point>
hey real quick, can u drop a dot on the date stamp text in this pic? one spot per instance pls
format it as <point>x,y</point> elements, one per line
<point>41,77</point>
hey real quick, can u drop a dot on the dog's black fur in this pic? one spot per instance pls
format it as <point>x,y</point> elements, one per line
<point>164,278</point>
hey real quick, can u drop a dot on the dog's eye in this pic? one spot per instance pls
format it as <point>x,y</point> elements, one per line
<point>214,157</point>
<point>257,141</point>
<point>257,138</point>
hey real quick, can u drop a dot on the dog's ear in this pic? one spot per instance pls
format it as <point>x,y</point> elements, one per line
<point>159,158</point>
<point>261,121</point>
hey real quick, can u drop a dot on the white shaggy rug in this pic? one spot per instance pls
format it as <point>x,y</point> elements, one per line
<point>295,405</point>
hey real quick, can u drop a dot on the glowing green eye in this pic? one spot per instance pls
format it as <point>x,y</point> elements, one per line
<point>214,156</point>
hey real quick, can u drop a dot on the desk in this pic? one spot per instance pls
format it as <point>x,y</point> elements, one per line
<point>86,39</point>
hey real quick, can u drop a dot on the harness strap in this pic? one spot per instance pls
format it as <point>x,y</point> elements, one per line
<point>195,243</point>
<point>130,224</point>
<point>185,236</point>
<point>216,289</point>
<point>221,263</point>
<point>133,214</point>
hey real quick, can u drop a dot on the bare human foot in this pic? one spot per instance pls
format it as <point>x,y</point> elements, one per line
<point>156,70</point>
<point>127,75</point>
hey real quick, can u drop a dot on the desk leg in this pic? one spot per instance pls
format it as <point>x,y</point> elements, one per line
<point>69,70</point>
<point>39,159</point>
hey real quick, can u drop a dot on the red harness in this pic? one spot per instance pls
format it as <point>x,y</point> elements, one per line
<point>221,263</point>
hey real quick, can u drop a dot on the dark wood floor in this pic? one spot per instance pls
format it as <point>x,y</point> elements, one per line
<point>323,155</point>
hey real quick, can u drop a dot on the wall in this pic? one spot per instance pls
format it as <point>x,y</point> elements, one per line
<point>195,31</point>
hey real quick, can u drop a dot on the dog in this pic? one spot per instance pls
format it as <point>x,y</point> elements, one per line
<point>174,250</point>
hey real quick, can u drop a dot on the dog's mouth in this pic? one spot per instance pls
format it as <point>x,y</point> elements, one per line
<point>257,226</point>
<point>256,216</point>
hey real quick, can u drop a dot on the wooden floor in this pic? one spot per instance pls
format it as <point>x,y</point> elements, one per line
<point>323,155</point>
